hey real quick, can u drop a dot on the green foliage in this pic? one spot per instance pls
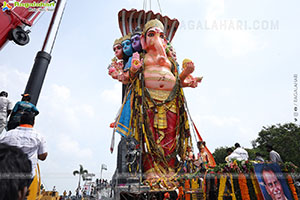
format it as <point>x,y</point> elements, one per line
<point>251,153</point>
<point>220,154</point>
<point>285,139</point>
<point>80,172</point>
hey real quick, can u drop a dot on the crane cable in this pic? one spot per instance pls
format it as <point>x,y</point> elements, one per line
<point>145,5</point>
<point>159,7</point>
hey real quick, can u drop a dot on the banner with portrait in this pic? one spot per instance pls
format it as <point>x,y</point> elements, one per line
<point>272,181</point>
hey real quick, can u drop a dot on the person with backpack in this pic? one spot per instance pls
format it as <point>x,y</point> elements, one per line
<point>21,107</point>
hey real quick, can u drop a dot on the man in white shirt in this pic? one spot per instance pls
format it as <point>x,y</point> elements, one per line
<point>5,109</point>
<point>238,154</point>
<point>27,139</point>
<point>274,156</point>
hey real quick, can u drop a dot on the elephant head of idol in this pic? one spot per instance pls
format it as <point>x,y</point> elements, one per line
<point>153,39</point>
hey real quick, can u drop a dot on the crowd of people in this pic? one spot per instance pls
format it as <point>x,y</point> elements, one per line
<point>21,146</point>
<point>240,154</point>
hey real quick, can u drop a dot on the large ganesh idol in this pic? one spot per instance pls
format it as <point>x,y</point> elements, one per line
<point>157,117</point>
<point>166,133</point>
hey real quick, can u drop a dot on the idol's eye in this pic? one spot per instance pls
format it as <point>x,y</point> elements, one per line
<point>151,34</point>
<point>119,47</point>
<point>162,36</point>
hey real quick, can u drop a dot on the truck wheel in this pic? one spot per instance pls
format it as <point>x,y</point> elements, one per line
<point>19,36</point>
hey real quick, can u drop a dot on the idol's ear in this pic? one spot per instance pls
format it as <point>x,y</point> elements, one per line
<point>143,42</point>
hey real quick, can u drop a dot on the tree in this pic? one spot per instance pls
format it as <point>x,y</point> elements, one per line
<point>220,154</point>
<point>285,139</point>
<point>81,172</point>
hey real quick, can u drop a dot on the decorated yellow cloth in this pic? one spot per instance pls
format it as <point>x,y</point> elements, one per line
<point>160,117</point>
<point>195,187</point>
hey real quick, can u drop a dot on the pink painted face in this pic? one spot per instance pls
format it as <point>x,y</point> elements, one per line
<point>155,35</point>
<point>118,49</point>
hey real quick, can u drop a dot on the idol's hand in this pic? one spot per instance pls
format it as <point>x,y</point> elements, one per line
<point>115,74</point>
<point>124,77</point>
<point>136,63</point>
<point>199,79</point>
<point>189,67</point>
<point>111,70</point>
<point>193,83</point>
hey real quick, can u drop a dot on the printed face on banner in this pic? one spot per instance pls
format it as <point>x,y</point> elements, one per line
<point>272,182</point>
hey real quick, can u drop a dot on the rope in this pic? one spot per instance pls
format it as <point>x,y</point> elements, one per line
<point>144,4</point>
<point>159,7</point>
<point>190,117</point>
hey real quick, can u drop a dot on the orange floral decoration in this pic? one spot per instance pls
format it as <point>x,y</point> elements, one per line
<point>180,193</point>
<point>292,187</point>
<point>243,186</point>
<point>256,188</point>
<point>204,186</point>
<point>187,188</point>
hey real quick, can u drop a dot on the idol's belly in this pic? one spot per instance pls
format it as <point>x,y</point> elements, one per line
<point>159,78</point>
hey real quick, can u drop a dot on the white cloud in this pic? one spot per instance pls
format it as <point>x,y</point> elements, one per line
<point>232,43</point>
<point>219,121</point>
<point>87,110</point>
<point>71,147</point>
<point>231,37</point>
<point>113,95</point>
<point>215,8</point>
<point>61,92</point>
<point>13,81</point>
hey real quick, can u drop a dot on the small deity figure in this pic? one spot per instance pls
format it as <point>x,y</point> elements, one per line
<point>136,40</point>
<point>187,79</point>
<point>202,158</point>
<point>189,160</point>
<point>171,51</point>
<point>116,67</point>
<point>132,156</point>
<point>127,50</point>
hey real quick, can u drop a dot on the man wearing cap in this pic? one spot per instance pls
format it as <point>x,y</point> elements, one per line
<point>5,109</point>
<point>21,107</point>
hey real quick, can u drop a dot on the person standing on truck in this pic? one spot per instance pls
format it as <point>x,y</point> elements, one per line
<point>21,107</point>
<point>5,109</point>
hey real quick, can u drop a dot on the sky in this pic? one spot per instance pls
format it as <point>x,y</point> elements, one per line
<point>247,52</point>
